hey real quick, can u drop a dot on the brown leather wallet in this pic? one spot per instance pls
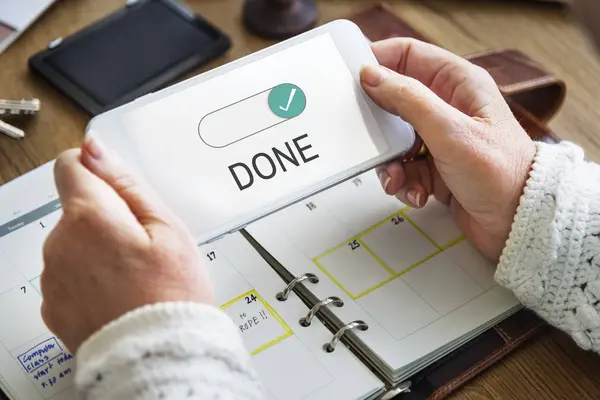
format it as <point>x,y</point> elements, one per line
<point>534,96</point>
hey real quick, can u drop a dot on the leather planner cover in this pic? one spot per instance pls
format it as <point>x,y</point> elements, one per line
<point>534,96</point>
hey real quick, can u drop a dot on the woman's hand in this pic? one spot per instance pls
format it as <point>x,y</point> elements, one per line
<point>480,156</point>
<point>117,247</point>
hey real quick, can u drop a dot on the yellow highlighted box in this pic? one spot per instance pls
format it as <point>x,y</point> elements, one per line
<point>392,274</point>
<point>250,311</point>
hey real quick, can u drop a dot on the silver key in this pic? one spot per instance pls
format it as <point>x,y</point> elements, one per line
<point>19,107</point>
<point>11,131</point>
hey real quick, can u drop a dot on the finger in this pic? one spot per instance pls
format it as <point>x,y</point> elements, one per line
<point>398,177</point>
<point>385,178</point>
<point>416,104</point>
<point>71,178</point>
<point>142,200</point>
<point>82,193</point>
<point>414,57</point>
<point>407,183</point>
<point>413,193</point>
<point>457,81</point>
<point>76,184</point>
<point>424,61</point>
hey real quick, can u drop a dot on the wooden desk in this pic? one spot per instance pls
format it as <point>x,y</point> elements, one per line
<point>551,367</point>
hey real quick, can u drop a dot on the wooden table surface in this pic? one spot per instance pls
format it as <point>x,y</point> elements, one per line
<point>551,366</point>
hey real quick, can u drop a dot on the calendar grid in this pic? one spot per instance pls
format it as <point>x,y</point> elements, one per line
<point>402,213</point>
<point>376,257</point>
<point>452,243</point>
<point>407,272</point>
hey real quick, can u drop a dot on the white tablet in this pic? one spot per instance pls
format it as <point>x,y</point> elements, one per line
<point>237,143</point>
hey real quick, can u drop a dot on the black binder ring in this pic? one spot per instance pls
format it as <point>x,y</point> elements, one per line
<point>312,278</point>
<point>336,301</point>
<point>358,324</point>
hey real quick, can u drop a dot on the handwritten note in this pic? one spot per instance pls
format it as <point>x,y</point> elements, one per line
<point>258,323</point>
<point>49,366</point>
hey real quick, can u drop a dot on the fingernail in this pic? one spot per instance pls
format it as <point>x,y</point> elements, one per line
<point>373,75</point>
<point>384,179</point>
<point>414,197</point>
<point>95,148</point>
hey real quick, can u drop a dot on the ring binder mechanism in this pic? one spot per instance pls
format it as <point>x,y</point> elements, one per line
<point>358,324</point>
<point>312,278</point>
<point>336,301</point>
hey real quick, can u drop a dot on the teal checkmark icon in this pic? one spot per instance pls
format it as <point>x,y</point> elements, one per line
<point>287,100</point>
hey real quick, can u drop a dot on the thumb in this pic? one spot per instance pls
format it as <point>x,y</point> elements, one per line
<point>432,117</point>
<point>142,200</point>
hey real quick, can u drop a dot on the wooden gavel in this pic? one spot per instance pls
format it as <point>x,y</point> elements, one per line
<point>279,19</point>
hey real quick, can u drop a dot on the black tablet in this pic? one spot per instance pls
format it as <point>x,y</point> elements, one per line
<point>138,49</point>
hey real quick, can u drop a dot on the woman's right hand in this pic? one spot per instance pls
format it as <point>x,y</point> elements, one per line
<point>480,157</point>
<point>116,248</point>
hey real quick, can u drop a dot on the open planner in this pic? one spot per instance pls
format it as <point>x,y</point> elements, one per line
<point>347,295</point>
<point>399,286</point>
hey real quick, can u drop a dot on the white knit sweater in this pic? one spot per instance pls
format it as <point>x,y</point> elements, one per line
<point>551,263</point>
<point>167,351</point>
<point>552,258</point>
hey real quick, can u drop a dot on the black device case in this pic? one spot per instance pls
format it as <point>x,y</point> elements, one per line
<point>39,63</point>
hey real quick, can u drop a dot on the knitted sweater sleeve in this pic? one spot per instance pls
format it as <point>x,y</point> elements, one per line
<point>552,258</point>
<point>166,351</point>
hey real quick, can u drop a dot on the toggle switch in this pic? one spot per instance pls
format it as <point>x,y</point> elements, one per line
<point>252,115</point>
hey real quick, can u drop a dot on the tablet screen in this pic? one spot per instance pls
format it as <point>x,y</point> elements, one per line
<point>124,54</point>
<point>237,143</point>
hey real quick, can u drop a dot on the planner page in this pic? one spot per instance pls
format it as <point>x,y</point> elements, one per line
<point>289,357</point>
<point>408,273</point>
<point>35,365</point>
